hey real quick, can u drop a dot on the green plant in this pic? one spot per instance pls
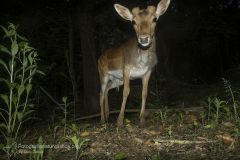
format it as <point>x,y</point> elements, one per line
<point>73,136</point>
<point>169,130</point>
<point>218,104</point>
<point>209,102</point>
<point>38,150</point>
<point>231,93</point>
<point>64,109</point>
<point>120,156</point>
<point>180,118</point>
<point>19,62</point>
<point>162,114</point>
<point>79,143</point>
<point>154,157</point>
<point>216,109</point>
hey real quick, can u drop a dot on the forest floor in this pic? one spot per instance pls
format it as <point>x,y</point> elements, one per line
<point>180,136</point>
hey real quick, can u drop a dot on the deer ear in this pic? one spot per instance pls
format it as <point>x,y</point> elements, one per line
<point>162,7</point>
<point>123,12</point>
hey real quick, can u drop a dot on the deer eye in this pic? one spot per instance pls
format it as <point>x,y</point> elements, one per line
<point>133,22</point>
<point>155,19</point>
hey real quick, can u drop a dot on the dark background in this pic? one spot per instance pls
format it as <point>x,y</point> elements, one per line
<point>197,43</point>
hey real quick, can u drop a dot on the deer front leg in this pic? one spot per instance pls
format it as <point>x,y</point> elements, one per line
<point>126,91</point>
<point>144,96</point>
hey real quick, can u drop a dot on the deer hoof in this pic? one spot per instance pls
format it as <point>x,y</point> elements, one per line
<point>107,116</point>
<point>102,120</point>
<point>120,122</point>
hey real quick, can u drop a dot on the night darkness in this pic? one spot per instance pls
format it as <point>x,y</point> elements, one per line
<point>198,52</point>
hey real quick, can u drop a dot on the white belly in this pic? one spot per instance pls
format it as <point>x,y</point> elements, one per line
<point>115,74</point>
<point>135,72</point>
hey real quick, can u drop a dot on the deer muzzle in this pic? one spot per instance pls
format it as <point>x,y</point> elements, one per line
<point>144,40</point>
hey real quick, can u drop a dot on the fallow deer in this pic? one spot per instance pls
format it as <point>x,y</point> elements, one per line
<point>133,59</point>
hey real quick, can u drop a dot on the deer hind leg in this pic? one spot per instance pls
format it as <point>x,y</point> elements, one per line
<point>144,96</point>
<point>126,91</point>
<point>111,84</point>
<point>104,82</point>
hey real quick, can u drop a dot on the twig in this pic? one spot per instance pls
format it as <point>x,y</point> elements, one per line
<point>177,141</point>
<point>111,112</point>
<point>196,109</point>
<point>49,96</point>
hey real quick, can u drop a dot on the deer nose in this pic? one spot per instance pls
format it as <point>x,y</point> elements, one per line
<point>144,39</point>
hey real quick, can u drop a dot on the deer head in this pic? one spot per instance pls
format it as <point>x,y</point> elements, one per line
<point>143,20</point>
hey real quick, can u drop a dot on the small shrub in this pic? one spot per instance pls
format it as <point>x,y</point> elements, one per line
<point>37,153</point>
<point>162,115</point>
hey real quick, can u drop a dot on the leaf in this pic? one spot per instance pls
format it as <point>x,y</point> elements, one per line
<point>75,141</point>
<point>85,134</point>
<point>14,100</point>
<point>12,30</point>
<point>25,114</point>
<point>4,49</point>
<point>40,72</point>
<point>64,99</point>
<point>19,116</point>
<point>82,143</point>
<point>5,31</point>
<point>4,65</point>
<point>227,110</point>
<point>22,38</point>
<point>21,89</point>
<point>127,120</point>
<point>40,140</point>
<point>138,140</point>
<point>120,156</point>
<point>129,128</point>
<point>14,47</point>
<point>17,71</point>
<point>5,99</point>
<point>227,139</point>
<point>30,67</point>
<point>63,121</point>
<point>228,125</point>
<point>30,58</point>
<point>74,127</point>
<point>33,71</point>
<point>28,88</point>
<point>22,45</point>
<point>208,126</point>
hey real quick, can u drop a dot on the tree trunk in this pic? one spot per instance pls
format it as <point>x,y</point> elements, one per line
<point>90,74</point>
